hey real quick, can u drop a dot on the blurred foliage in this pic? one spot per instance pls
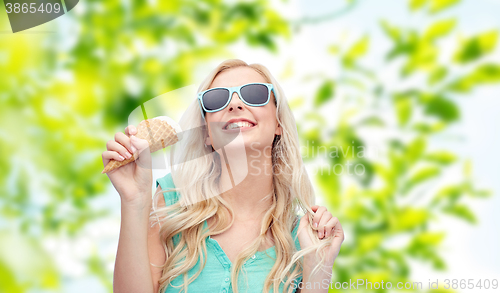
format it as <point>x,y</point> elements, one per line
<point>66,93</point>
<point>387,204</point>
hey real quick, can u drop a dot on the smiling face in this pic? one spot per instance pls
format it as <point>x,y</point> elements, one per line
<point>263,124</point>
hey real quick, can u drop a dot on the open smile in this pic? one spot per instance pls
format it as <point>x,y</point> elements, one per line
<point>238,126</point>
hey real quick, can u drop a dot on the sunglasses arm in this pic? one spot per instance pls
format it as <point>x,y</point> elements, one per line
<point>201,108</point>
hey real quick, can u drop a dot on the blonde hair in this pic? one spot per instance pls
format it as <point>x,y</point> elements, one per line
<point>196,171</point>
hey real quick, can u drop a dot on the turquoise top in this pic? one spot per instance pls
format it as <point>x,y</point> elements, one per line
<point>216,276</point>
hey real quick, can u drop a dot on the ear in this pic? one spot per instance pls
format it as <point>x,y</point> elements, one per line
<point>278,130</point>
<point>207,140</point>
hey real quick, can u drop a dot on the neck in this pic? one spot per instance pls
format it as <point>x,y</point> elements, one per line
<point>247,182</point>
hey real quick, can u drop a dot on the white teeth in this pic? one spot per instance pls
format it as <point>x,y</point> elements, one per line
<point>239,124</point>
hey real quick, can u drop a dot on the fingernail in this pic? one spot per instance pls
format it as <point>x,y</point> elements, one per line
<point>326,233</point>
<point>133,149</point>
<point>128,155</point>
<point>320,234</point>
<point>121,158</point>
<point>315,225</point>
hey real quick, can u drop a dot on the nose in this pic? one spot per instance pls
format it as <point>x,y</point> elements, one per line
<point>236,103</point>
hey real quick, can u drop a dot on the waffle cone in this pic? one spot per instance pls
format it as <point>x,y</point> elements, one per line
<point>159,134</point>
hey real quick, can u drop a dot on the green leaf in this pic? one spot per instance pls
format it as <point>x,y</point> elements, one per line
<point>417,4</point>
<point>477,47</point>
<point>443,109</point>
<point>424,246</point>
<point>448,194</point>
<point>488,73</point>
<point>366,171</point>
<point>437,75</point>
<point>438,262</point>
<point>422,175</point>
<point>423,56</point>
<point>415,149</point>
<point>296,103</point>
<point>482,193</point>
<point>312,139</point>
<point>408,219</point>
<point>439,29</point>
<point>96,265</point>
<point>429,238</point>
<point>30,260</point>
<point>324,93</point>
<point>461,211</point>
<point>372,121</point>
<point>370,242</point>
<point>357,50</point>
<point>429,128</point>
<point>441,157</point>
<point>438,5</point>
<point>403,105</point>
<point>354,82</point>
<point>329,184</point>
<point>262,39</point>
<point>471,191</point>
<point>392,31</point>
<point>8,281</point>
<point>467,168</point>
<point>398,261</point>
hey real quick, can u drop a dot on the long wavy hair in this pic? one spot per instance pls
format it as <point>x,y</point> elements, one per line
<point>196,170</point>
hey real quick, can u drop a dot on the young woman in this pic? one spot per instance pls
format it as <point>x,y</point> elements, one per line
<point>230,222</point>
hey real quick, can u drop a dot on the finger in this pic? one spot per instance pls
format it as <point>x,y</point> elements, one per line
<point>117,147</point>
<point>337,241</point>
<point>124,140</point>
<point>322,222</point>
<point>339,234</point>
<point>142,155</point>
<point>130,130</point>
<point>330,225</point>
<point>317,216</point>
<point>108,155</point>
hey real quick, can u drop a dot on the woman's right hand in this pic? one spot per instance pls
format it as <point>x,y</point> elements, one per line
<point>134,180</point>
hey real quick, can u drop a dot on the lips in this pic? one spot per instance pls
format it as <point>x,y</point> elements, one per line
<point>241,121</point>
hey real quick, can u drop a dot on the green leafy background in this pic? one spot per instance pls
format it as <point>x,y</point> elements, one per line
<point>394,103</point>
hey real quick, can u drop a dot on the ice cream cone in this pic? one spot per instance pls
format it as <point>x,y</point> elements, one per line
<point>160,132</point>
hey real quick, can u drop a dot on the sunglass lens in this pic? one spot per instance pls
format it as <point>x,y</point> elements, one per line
<point>255,93</point>
<point>215,99</point>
